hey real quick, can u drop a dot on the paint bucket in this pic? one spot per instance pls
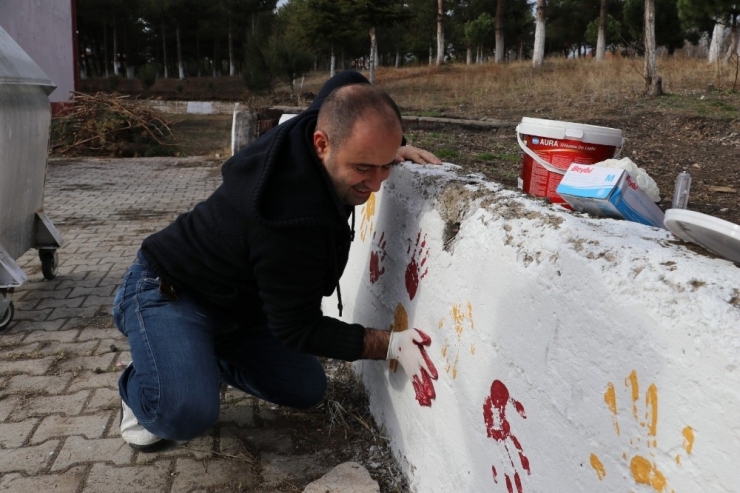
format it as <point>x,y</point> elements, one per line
<point>550,146</point>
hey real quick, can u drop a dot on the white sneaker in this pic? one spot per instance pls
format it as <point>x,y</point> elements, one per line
<point>136,435</point>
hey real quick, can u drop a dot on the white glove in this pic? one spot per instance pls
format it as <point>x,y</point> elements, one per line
<point>408,348</point>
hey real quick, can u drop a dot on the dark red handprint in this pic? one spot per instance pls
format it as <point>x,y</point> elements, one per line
<point>423,387</point>
<point>416,270</point>
<point>377,256</point>
<point>499,428</point>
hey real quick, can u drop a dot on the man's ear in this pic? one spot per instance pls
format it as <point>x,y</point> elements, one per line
<point>321,143</point>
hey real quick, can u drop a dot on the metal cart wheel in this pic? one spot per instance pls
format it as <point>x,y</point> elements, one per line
<point>7,317</point>
<point>49,263</point>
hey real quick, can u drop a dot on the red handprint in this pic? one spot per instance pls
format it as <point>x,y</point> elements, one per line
<point>423,386</point>
<point>416,271</point>
<point>498,428</point>
<point>409,349</point>
<point>377,256</point>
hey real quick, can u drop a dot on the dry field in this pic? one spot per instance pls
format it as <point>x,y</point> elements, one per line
<point>695,126</point>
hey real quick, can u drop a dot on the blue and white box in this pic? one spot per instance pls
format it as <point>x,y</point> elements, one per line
<point>609,192</point>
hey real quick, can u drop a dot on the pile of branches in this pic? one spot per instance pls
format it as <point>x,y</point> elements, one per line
<point>110,125</point>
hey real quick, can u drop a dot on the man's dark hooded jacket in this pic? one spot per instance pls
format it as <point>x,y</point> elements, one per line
<point>270,242</point>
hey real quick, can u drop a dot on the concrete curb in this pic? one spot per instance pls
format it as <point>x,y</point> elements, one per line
<point>412,122</point>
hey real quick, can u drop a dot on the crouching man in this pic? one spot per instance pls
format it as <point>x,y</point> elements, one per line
<point>231,291</point>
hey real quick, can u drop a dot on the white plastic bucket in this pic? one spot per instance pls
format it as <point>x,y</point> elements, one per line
<point>550,146</point>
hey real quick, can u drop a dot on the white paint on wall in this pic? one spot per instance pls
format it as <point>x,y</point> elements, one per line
<point>618,346</point>
<point>200,108</point>
<point>43,28</point>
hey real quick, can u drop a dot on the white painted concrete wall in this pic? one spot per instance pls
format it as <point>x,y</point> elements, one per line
<point>619,348</point>
<point>192,107</point>
<point>43,28</point>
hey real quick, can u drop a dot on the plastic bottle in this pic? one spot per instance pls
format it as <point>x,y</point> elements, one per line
<point>681,191</point>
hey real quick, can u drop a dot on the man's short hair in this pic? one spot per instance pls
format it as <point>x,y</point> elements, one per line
<point>347,104</point>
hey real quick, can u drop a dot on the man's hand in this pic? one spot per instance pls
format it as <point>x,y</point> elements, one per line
<point>409,349</point>
<point>418,156</point>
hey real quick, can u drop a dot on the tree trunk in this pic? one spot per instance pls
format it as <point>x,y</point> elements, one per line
<point>215,59</point>
<point>732,49</point>
<point>375,53</point>
<point>105,50</point>
<point>164,52</point>
<point>431,54</point>
<point>499,32</point>
<point>130,73</point>
<point>398,58</point>
<point>373,48</point>
<point>653,83</point>
<point>333,64</point>
<point>116,65</point>
<point>197,56</point>
<point>84,68</point>
<point>601,39</point>
<point>180,63</point>
<point>440,32</point>
<point>715,46</point>
<point>469,57</point>
<point>538,53</point>
<point>232,67</point>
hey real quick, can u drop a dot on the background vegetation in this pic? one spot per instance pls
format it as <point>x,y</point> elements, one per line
<point>266,44</point>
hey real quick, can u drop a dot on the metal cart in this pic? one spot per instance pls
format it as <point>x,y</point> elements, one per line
<point>25,118</point>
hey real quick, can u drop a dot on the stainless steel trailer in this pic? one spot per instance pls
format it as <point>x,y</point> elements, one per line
<point>25,119</point>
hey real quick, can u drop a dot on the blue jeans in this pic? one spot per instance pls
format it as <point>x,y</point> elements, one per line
<point>182,351</point>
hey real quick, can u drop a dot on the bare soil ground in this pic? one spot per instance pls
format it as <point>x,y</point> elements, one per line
<point>662,144</point>
<point>694,130</point>
<point>340,429</point>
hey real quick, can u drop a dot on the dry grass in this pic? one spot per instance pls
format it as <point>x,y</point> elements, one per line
<point>566,87</point>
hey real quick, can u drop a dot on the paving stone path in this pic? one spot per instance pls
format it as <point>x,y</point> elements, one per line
<point>61,357</point>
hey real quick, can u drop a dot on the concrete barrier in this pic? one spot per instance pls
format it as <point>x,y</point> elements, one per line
<point>575,354</point>
<point>192,107</point>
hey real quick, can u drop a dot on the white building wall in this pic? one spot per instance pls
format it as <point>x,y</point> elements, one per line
<point>43,28</point>
<point>604,354</point>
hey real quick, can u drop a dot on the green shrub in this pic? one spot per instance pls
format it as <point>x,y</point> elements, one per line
<point>447,153</point>
<point>257,75</point>
<point>113,82</point>
<point>147,75</point>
